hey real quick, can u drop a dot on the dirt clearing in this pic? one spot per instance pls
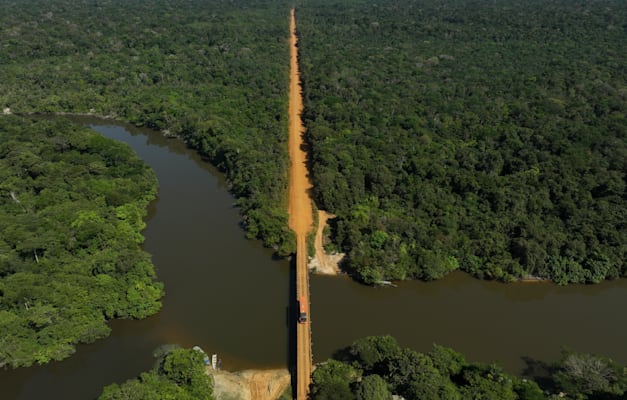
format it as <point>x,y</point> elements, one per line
<point>249,384</point>
<point>323,263</point>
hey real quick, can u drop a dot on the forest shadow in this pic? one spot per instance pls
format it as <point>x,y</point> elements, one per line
<point>541,372</point>
<point>344,354</point>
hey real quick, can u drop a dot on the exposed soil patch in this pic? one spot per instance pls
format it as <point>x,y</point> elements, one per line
<point>249,384</point>
<point>323,263</point>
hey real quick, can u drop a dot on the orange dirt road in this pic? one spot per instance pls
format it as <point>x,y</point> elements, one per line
<point>300,215</point>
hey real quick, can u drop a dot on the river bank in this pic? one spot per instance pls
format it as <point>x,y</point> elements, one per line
<point>204,258</point>
<point>249,384</point>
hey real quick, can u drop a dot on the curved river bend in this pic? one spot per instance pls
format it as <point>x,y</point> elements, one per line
<point>227,295</point>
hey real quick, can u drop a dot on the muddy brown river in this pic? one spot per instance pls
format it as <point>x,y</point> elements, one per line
<point>226,294</point>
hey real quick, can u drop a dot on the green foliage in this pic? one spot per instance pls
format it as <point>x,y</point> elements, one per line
<point>414,376</point>
<point>71,258</point>
<point>459,134</point>
<point>214,73</point>
<point>591,377</point>
<point>179,376</point>
<point>286,395</point>
<point>447,360</point>
<point>487,382</point>
<point>374,353</point>
<point>372,387</point>
<point>332,381</point>
<point>528,390</point>
<point>377,367</point>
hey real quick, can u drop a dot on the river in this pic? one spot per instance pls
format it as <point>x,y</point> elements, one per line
<point>228,295</point>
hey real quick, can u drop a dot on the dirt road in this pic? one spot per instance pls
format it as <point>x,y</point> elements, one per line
<point>300,214</point>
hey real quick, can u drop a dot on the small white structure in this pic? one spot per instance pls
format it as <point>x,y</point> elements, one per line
<point>205,357</point>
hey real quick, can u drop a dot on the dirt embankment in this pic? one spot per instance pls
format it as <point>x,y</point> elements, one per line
<point>249,384</point>
<point>322,262</point>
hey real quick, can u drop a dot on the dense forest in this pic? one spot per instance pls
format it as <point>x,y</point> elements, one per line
<point>484,136</point>
<point>179,374</point>
<point>72,205</point>
<point>213,72</point>
<point>488,137</point>
<point>375,368</point>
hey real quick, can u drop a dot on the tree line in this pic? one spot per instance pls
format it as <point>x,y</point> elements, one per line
<point>486,137</point>
<point>214,73</point>
<point>178,374</point>
<point>376,368</point>
<point>72,205</point>
<point>457,135</point>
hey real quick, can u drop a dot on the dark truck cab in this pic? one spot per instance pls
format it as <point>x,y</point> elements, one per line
<point>302,310</point>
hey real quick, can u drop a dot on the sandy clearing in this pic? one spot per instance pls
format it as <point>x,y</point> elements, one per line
<point>322,262</point>
<point>249,384</point>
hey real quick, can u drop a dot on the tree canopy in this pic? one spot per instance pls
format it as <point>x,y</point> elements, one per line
<point>484,136</point>
<point>214,73</point>
<point>72,205</point>
<point>487,137</point>
<point>179,375</point>
<point>375,368</point>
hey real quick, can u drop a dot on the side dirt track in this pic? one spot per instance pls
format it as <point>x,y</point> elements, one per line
<point>323,263</point>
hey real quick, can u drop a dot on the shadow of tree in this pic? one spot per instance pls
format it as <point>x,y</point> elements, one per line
<point>541,372</point>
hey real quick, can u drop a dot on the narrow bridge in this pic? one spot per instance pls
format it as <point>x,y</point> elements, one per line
<point>303,330</point>
<point>301,218</point>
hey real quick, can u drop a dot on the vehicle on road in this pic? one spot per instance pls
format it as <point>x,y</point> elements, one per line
<point>302,310</point>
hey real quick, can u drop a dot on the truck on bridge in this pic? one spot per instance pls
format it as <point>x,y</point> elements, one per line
<point>302,310</point>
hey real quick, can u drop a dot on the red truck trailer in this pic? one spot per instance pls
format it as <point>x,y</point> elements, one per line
<point>302,312</point>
